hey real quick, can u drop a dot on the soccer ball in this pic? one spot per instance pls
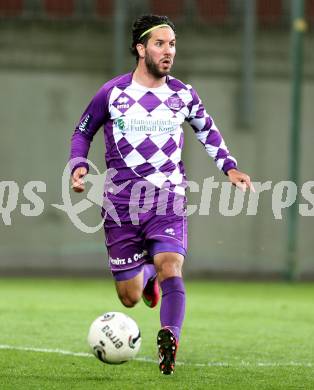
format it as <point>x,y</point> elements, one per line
<point>114,338</point>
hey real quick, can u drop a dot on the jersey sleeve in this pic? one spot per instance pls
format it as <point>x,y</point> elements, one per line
<point>91,120</point>
<point>209,135</point>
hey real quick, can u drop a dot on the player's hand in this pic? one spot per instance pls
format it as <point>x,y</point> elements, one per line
<point>78,179</point>
<point>240,179</point>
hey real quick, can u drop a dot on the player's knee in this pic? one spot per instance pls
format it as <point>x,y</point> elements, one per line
<point>169,270</point>
<point>169,267</point>
<point>127,302</point>
<point>129,299</point>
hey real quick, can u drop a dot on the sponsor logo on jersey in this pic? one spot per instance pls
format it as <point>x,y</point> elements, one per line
<point>85,122</point>
<point>146,125</point>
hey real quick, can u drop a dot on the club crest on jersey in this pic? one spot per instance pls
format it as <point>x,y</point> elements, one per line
<point>174,103</point>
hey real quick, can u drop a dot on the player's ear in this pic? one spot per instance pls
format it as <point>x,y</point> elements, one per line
<point>141,50</point>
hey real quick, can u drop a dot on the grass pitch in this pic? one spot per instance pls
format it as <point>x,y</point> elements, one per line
<point>236,336</point>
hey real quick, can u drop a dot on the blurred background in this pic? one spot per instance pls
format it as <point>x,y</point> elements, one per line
<point>252,62</point>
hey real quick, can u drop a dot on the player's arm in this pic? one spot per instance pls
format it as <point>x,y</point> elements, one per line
<point>91,120</point>
<point>209,135</point>
<point>240,179</point>
<point>78,179</point>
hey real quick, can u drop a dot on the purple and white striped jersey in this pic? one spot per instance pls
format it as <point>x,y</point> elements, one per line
<point>143,131</point>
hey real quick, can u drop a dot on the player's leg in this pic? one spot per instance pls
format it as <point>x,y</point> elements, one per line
<point>129,285</point>
<point>172,310</point>
<point>127,261</point>
<point>167,243</point>
<point>140,282</point>
<point>150,286</point>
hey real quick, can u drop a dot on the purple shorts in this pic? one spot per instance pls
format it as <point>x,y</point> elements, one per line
<point>130,246</point>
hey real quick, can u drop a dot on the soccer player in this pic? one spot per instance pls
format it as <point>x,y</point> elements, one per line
<point>142,113</point>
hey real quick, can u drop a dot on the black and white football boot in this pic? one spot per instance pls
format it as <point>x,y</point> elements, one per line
<point>167,349</point>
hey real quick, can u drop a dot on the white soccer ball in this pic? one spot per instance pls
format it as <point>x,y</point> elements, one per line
<point>114,338</point>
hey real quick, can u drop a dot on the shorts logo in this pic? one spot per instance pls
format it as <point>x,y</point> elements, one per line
<point>84,122</point>
<point>170,231</point>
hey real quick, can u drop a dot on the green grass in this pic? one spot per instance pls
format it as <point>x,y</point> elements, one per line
<point>262,333</point>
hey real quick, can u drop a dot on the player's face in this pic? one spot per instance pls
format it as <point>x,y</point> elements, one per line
<point>160,52</point>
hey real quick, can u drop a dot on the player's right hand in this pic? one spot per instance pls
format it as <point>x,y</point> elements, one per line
<point>78,179</point>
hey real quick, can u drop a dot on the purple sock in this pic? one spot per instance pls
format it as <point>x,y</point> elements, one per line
<point>149,271</point>
<point>172,307</point>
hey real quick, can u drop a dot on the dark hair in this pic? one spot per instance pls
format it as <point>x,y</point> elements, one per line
<point>144,23</point>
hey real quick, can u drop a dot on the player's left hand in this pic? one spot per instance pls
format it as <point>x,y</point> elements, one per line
<point>240,179</point>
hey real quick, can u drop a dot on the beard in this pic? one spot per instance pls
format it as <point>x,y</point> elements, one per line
<point>153,68</point>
